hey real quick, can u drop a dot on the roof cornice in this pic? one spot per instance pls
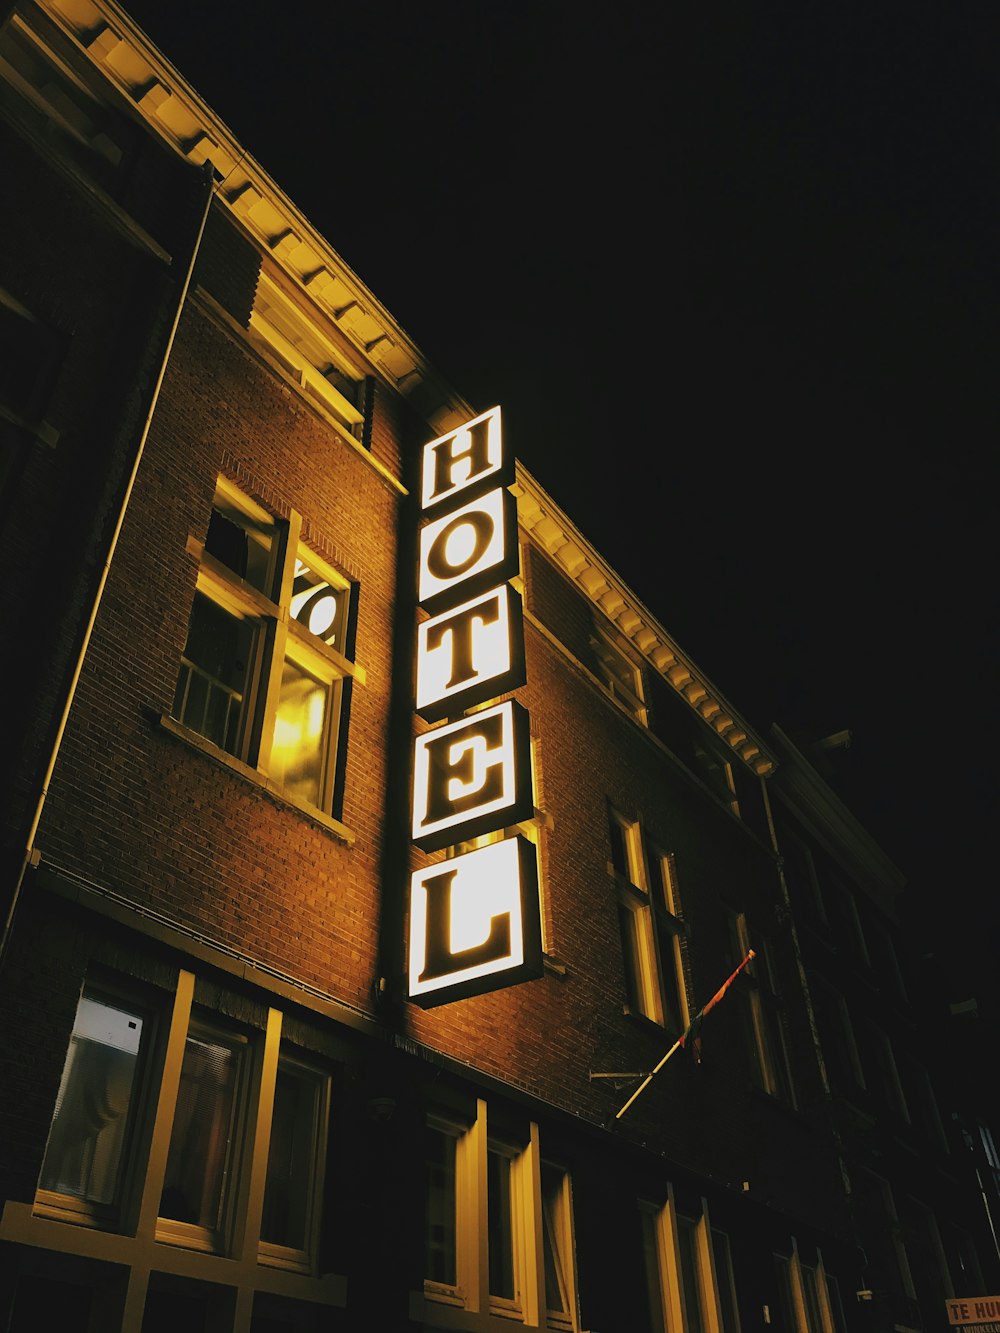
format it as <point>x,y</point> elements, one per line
<point>820,810</point>
<point>549,527</point>
<point>176,114</point>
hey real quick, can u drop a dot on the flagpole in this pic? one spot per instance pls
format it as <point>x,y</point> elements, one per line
<point>681,1039</point>
<point>648,1079</point>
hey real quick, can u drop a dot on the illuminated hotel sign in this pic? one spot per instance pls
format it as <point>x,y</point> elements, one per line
<point>474,918</point>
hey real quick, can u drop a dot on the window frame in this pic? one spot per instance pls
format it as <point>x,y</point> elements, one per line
<point>60,1205</point>
<point>668,1293</point>
<point>764,1012</point>
<point>612,662</point>
<point>468,1300</point>
<point>278,636</point>
<point>240,1266</point>
<point>648,909</point>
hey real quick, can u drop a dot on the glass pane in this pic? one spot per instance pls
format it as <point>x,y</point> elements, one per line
<point>214,671</point>
<point>554,1239</point>
<point>87,1140</point>
<point>202,1140</point>
<point>290,1160</point>
<point>440,1220</point>
<point>687,1243</point>
<point>501,1226</point>
<point>299,748</point>
<point>319,605</point>
<point>628,926</point>
<point>241,544</point>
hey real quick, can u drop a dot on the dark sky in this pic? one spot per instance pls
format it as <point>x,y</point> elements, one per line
<point>731,272</point>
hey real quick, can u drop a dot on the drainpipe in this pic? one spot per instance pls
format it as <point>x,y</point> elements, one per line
<point>29,852</point>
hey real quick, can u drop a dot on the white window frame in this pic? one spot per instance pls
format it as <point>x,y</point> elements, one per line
<point>664,1222</point>
<point>658,983</point>
<point>136,1247</point>
<point>279,635</point>
<point>468,1304</point>
<point>621,677</point>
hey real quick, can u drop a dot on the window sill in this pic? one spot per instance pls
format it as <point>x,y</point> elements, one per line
<point>57,1207</point>
<point>257,779</point>
<point>648,1025</point>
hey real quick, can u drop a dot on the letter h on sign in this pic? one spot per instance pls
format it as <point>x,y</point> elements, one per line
<point>474,920</point>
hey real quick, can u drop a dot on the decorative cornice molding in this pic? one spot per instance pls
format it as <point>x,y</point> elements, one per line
<point>177,115</point>
<point>821,811</point>
<point>550,529</point>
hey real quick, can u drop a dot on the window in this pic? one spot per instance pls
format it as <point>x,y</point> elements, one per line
<point>884,1074</point>
<point>84,1173</point>
<point>763,1012</point>
<point>810,1298</point>
<point>178,1128</point>
<point>717,770</point>
<point>557,1243</point>
<point>265,671</point>
<point>498,1228</point>
<point>800,870</point>
<point>920,1097</point>
<point>208,1120</point>
<point>836,1031</point>
<point>622,677</point>
<point>295,1162</point>
<point>650,924</point>
<point>689,1277</point>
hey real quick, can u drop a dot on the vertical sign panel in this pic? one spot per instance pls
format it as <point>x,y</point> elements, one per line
<point>474,919</point>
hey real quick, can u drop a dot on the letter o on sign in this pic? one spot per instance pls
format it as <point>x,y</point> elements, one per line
<point>460,545</point>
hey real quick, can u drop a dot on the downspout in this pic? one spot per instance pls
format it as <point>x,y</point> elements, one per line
<point>29,852</point>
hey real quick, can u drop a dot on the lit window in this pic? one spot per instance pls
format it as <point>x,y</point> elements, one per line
<point>498,1227</point>
<point>90,1138</point>
<point>763,1012</point>
<point>689,1277</point>
<point>622,677</point>
<point>650,924</point>
<point>264,672</point>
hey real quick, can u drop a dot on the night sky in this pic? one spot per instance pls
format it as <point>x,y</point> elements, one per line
<point>731,271</point>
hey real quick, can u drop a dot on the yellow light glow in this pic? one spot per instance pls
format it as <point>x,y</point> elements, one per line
<point>486,885</point>
<point>448,545</point>
<point>454,461</point>
<point>464,646</point>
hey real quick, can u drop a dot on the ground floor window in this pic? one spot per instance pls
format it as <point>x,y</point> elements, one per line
<point>187,1153</point>
<point>809,1296</point>
<point>498,1229</point>
<point>689,1275</point>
